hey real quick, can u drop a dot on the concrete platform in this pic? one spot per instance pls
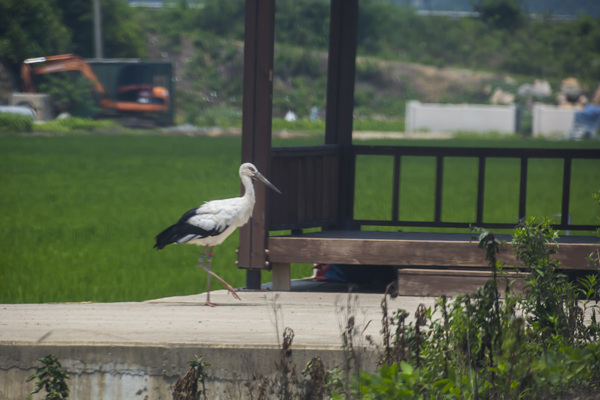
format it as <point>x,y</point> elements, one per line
<point>134,350</point>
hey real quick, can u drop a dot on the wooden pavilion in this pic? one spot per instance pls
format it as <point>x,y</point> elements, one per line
<point>318,181</point>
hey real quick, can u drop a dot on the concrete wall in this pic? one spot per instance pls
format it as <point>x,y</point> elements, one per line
<point>108,372</point>
<point>460,117</point>
<point>551,120</point>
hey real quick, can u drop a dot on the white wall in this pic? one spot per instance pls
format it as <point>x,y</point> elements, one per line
<point>460,117</point>
<point>551,120</point>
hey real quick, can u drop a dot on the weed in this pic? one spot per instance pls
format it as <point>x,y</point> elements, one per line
<point>316,380</point>
<point>276,315</point>
<point>186,387</point>
<point>394,348</point>
<point>286,381</point>
<point>285,384</point>
<point>51,377</point>
<point>352,335</point>
<point>551,301</point>
<point>262,386</point>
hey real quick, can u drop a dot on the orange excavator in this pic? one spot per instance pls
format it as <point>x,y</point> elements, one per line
<point>144,98</point>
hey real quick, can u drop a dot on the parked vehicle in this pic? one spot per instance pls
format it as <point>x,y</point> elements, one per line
<point>586,123</point>
<point>131,91</point>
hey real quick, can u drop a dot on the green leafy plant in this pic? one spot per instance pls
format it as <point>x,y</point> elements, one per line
<point>551,300</point>
<point>51,377</point>
<point>397,381</point>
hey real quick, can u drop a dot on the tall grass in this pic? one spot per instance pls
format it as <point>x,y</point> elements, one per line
<point>80,212</point>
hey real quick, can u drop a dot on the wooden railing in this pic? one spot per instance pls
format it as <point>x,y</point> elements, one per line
<point>482,155</point>
<point>308,178</point>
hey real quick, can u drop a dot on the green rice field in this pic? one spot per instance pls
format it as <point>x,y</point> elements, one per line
<point>80,213</point>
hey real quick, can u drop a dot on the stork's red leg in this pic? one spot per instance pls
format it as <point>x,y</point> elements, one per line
<point>227,285</point>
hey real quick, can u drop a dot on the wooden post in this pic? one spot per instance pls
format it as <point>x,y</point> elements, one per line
<point>340,99</point>
<point>282,281</point>
<point>256,128</point>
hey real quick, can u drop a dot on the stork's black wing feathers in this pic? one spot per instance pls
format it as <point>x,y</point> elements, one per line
<point>189,214</point>
<point>183,229</point>
<point>175,233</point>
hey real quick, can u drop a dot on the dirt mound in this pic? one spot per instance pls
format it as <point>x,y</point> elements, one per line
<point>432,84</point>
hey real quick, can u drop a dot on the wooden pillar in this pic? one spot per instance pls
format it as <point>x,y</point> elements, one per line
<point>340,99</point>
<point>256,127</point>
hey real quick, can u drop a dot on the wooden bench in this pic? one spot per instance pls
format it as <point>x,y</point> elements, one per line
<point>428,263</point>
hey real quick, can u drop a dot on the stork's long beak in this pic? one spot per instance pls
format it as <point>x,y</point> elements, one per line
<point>264,180</point>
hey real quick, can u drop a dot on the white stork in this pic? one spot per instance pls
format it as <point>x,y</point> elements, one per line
<point>211,223</point>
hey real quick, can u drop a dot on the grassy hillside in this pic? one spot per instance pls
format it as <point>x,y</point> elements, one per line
<point>402,56</point>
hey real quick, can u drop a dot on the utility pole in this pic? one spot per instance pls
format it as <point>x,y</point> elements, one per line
<point>98,52</point>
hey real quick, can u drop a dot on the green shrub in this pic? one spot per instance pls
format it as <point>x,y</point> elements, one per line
<point>531,345</point>
<point>71,93</point>
<point>15,123</point>
<point>74,124</point>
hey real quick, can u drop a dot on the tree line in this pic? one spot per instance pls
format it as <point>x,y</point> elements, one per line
<point>503,38</point>
<point>37,28</point>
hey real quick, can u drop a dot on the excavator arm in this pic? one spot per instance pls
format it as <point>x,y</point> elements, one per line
<point>60,63</point>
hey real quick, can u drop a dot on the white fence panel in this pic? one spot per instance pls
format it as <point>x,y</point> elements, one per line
<point>551,120</point>
<point>460,117</point>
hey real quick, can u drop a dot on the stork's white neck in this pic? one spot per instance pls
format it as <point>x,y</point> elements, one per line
<point>248,189</point>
